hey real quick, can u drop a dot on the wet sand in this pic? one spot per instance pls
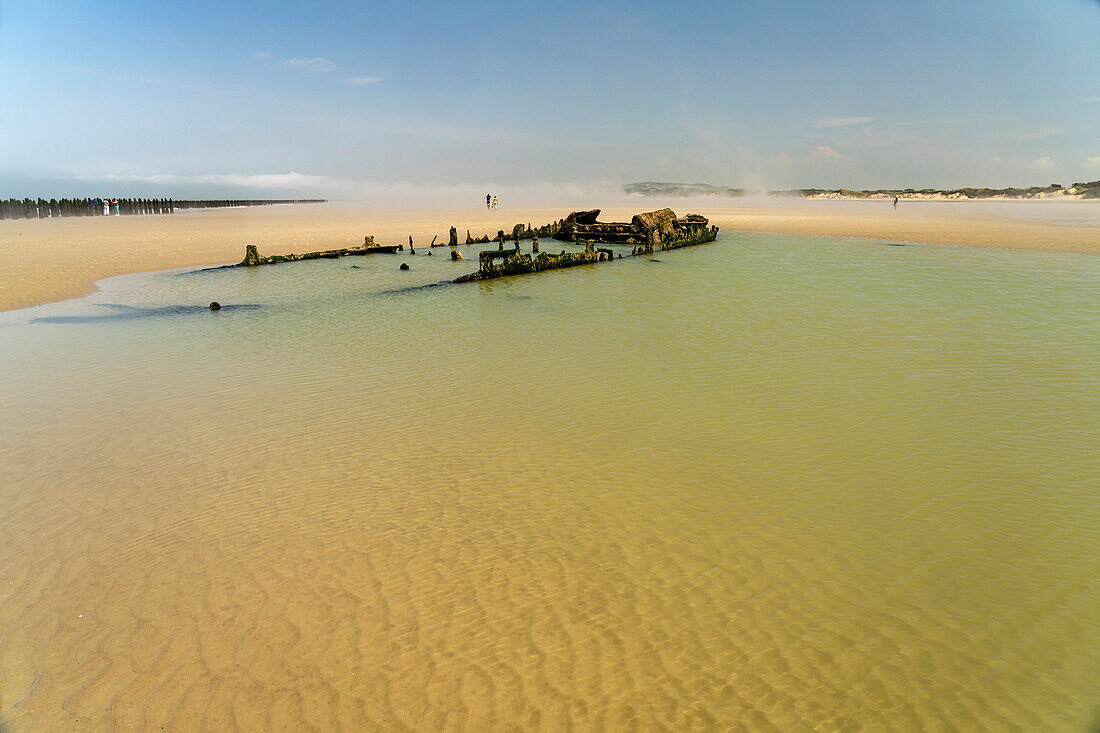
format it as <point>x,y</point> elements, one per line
<point>776,483</point>
<point>48,260</point>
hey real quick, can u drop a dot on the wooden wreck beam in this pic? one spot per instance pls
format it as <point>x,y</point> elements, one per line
<point>252,257</point>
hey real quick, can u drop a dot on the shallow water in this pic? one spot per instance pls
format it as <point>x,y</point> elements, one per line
<point>774,483</point>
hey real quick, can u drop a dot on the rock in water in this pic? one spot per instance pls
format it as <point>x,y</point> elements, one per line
<point>404,265</point>
<point>215,306</point>
<point>456,255</point>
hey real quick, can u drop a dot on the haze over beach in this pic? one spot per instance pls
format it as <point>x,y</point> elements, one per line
<point>586,366</point>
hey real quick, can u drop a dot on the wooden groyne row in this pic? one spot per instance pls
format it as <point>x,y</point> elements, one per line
<point>48,209</point>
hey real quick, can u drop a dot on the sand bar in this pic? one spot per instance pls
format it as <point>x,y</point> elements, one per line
<point>48,260</point>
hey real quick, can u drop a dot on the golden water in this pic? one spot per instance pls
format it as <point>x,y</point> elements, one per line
<point>774,483</point>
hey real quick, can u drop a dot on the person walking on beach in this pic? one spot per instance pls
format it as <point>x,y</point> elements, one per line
<point>494,202</point>
<point>488,200</point>
<point>895,203</point>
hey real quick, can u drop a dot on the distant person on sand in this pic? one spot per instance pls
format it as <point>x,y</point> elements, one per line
<point>488,200</point>
<point>494,202</point>
<point>895,202</point>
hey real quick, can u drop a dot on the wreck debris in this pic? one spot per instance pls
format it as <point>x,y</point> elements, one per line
<point>453,241</point>
<point>659,229</point>
<point>456,255</point>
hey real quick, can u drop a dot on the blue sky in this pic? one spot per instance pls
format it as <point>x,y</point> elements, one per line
<point>341,99</point>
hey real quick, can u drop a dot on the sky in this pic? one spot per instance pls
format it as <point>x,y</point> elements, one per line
<point>356,99</point>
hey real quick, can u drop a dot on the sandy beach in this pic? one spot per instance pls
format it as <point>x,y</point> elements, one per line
<point>48,260</point>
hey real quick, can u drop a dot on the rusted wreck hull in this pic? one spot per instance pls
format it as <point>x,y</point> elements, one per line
<point>514,262</point>
<point>703,235</point>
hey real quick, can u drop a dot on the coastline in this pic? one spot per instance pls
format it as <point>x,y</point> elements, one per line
<point>49,260</point>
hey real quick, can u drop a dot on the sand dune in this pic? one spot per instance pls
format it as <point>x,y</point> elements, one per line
<point>54,259</point>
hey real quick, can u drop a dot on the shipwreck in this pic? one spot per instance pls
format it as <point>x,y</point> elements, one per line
<point>645,233</point>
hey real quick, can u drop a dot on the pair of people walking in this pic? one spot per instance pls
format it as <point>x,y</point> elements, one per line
<point>490,201</point>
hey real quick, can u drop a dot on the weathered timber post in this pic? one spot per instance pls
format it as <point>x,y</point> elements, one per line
<point>453,241</point>
<point>251,256</point>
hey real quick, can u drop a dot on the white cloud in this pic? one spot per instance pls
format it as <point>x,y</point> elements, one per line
<point>1044,163</point>
<point>842,121</point>
<point>1040,134</point>
<point>262,55</point>
<point>1088,100</point>
<point>1093,162</point>
<point>824,152</point>
<point>314,65</point>
<point>783,158</point>
<point>362,81</point>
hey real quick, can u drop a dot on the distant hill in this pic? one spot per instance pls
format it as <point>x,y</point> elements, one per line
<point>1085,190</point>
<point>680,190</point>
